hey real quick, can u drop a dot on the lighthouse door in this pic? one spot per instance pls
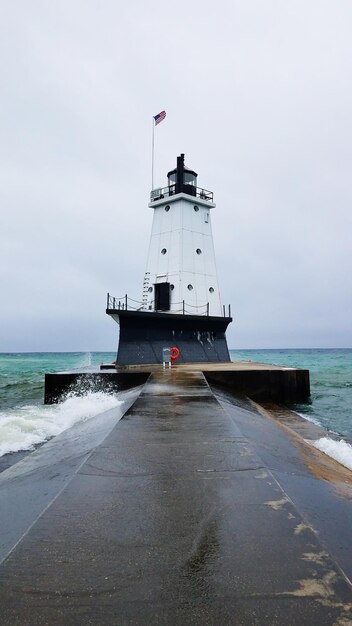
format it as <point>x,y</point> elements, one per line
<point>162,296</point>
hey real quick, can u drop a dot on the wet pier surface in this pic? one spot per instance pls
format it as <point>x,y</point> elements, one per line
<point>259,381</point>
<point>194,509</point>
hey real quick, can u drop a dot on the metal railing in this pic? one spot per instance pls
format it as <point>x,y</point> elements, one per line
<point>196,192</point>
<point>129,304</point>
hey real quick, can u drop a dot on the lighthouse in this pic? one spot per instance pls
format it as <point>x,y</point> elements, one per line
<point>181,272</point>
<point>180,304</point>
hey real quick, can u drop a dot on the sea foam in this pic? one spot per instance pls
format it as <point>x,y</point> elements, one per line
<point>308,418</point>
<point>24,427</point>
<point>340,450</point>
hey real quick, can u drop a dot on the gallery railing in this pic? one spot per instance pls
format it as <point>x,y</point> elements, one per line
<point>196,192</point>
<point>125,303</point>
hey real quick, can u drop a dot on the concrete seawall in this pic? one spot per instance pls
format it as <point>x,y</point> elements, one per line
<point>255,380</point>
<point>194,509</point>
<point>60,383</point>
<point>285,386</point>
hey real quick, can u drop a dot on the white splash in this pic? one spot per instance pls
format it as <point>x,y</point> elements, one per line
<point>308,418</point>
<point>340,450</point>
<point>24,427</point>
<point>84,361</point>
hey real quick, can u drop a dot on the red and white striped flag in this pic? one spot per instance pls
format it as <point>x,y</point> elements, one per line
<point>159,118</point>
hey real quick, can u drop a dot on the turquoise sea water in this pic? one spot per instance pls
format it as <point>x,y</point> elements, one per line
<point>24,421</point>
<point>330,382</point>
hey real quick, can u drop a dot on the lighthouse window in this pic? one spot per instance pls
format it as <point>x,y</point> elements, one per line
<point>198,251</point>
<point>189,178</point>
<point>163,251</point>
<point>167,208</point>
<point>150,289</point>
<point>190,287</point>
<point>196,208</point>
<point>211,289</point>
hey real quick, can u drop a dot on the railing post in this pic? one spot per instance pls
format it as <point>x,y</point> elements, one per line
<point>208,309</point>
<point>114,303</point>
<point>183,307</point>
<point>223,306</point>
<point>229,310</point>
<point>126,301</point>
<point>107,300</point>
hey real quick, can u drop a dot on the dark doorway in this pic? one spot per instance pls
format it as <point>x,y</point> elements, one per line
<point>162,296</point>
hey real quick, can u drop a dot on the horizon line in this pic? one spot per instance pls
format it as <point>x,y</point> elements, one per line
<point>113,351</point>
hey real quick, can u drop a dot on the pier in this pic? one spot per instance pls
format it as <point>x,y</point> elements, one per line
<point>195,508</point>
<point>259,381</point>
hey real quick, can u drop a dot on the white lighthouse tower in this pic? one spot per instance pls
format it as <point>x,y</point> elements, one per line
<point>180,303</point>
<point>181,271</point>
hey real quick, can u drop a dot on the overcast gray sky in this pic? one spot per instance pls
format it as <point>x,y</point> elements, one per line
<point>258,96</point>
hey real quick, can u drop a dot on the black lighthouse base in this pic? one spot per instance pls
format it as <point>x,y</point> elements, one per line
<point>143,335</point>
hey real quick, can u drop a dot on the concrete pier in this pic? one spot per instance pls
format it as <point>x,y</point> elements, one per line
<point>259,381</point>
<point>195,509</point>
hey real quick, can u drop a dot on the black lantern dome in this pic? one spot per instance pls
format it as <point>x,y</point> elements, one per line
<point>182,179</point>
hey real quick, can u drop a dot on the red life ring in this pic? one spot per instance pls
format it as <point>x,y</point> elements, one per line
<point>174,353</point>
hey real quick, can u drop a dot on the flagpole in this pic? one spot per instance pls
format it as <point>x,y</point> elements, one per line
<point>156,119</point>
<point>153,126</point>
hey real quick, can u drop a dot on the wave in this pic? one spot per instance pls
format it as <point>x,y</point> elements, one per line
<point>23,383</point>
<point>335,384</point>
<point>340,450</point>
<point>309,418</point>
<point>22,428</point>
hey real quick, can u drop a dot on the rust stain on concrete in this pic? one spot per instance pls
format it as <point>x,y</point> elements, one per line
<point>315,557</point>
<point>276,505</point>
<point>300,528</point>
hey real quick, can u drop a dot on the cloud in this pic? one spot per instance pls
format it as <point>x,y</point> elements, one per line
<point>257,95</point>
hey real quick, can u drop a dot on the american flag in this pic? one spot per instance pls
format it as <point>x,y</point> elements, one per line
<point>159,118</point>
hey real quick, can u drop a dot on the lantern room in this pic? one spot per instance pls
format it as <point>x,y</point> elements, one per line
<point>182,179</point>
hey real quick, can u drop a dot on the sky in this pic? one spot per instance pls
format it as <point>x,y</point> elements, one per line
<point>258,96</point>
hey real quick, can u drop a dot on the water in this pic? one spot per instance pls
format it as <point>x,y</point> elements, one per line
<point>25,421</point>
<point>331,392</point>
<point>330,379</point>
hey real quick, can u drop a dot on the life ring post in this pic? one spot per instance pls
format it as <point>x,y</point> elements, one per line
<point>174,353</point>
